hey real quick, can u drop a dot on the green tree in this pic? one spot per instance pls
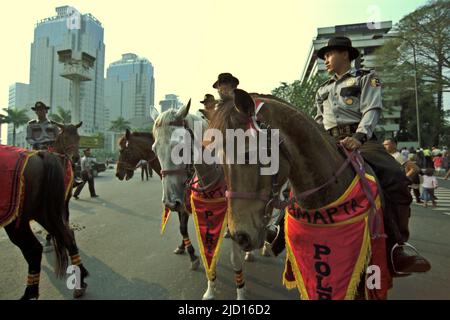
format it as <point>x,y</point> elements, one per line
<point>301,94</point>
<point>16,117</point>
<point>119,125</point>
<point>61,116</point>
<point>427,30</point>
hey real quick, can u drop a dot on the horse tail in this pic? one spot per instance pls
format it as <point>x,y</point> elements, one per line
<point>53,205</point>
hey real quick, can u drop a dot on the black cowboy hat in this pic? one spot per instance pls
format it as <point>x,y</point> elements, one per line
<point>225,78</point>
<point>339,43</point>
<point>39,105</point>
<point>208,98</point>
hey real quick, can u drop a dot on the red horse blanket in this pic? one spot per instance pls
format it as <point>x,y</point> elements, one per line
<point>329,249</point>
<point>210,212</point>
<point>12,166</point>
<point>13,161</point>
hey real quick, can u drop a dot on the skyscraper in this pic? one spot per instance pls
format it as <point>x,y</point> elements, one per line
<point>18,98</point>
<point>68,30</point>
<point>129,88</point>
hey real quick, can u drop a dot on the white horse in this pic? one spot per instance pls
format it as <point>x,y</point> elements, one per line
<point>175,177</point>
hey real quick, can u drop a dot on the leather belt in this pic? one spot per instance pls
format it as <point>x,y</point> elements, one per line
<point>344,130</point>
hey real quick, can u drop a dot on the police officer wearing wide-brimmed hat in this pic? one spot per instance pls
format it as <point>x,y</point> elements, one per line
<point>41,132</point>
<point>210,104</point>
<point>349,107</point>
<point>225,85</point>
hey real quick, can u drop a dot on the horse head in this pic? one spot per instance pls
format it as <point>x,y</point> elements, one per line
<point>252,191</point>
<point>68,140</point>
<point>171,131</point>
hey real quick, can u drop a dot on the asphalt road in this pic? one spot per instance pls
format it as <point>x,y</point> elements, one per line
<point>120,243</point>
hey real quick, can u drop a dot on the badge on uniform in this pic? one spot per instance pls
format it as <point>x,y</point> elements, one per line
<point>350,82</point>
<point>375,82</point>
<point>349,101</point>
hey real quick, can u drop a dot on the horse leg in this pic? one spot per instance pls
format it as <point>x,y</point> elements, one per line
<point>31,249</point>
<point>236,262</point>
<point>75,258</point>
<point>211,290</point>
<point>181,248</point>
<point>184,219</point>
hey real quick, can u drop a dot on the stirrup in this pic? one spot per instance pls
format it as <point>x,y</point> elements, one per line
<point>406,244</point>
<point>269,245</point>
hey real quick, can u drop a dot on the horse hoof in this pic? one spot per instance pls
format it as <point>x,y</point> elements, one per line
<point>195,264</point>
<point>249,257</point>
<point>179,251</point>
<point>78,293</point>
<point>241,293</point>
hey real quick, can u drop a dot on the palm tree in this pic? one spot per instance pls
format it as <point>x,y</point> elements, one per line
<point>16,117</point>
<point>119,125</point>
<point>61,116</point>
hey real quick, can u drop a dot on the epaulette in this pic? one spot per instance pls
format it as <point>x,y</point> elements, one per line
<point>32,121</point>
<point>363,72</point>
<point>325,82</point>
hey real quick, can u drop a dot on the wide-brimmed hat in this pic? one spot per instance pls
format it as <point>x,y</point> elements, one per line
<point>339,43</point>
<point>39,105</point>
<point>208,98</point>
<point>225,78</point>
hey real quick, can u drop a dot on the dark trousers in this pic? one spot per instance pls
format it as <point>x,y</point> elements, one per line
<point>394,184</point>
<point>89,178</point>
<point>144,169</point>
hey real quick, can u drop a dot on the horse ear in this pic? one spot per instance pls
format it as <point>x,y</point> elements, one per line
<point>127,134</point>
<point>59,125</point>
<point>79,125</point>
<point>183,112</point>
<point>244,102</point>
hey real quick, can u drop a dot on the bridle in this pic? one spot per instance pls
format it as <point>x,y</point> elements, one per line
<point>188,168</point>
<point>272,200</point>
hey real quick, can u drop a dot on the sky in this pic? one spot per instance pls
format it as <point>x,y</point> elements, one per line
<point>261,42</point>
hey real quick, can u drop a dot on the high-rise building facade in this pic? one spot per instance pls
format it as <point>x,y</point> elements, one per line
<point>129,88</point>
<point>18,98</point>
<point>68,30</point>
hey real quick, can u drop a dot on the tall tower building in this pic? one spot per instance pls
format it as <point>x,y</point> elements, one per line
<point>129,88</point>
<point>18,98</point>
<point>69,30</point>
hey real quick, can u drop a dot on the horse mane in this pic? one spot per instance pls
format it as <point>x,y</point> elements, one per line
<point>171,115</point>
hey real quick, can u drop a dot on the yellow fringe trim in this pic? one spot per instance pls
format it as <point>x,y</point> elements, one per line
<point>361,264</point>
<point>164,221</point>
<point>290,255</point>
<point>210,270</point>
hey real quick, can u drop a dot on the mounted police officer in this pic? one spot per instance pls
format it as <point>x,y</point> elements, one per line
<point>210,104</point>
<point>225,85</point>
<point>41,132</point>
<point>349,107</point>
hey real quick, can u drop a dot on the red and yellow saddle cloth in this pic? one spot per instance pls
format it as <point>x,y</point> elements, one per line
<point>13,161</point>
<point>329,249</point>
<point>12,166</point>
<point>210,213</point>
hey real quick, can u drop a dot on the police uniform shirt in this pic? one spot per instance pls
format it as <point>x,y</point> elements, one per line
<point>353,99</point>
<point>41,132</point>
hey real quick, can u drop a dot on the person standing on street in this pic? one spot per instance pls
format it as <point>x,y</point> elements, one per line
<point>87,164</point>
<point>143,164</point>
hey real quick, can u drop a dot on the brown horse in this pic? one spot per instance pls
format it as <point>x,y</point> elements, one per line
<point>308,158</point>
<point>46,202</point>
<point>137,146</point>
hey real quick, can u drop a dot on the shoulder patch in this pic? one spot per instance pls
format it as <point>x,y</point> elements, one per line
<point>375,82</point>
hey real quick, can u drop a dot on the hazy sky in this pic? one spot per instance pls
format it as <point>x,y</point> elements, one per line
<point>262,42</point>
